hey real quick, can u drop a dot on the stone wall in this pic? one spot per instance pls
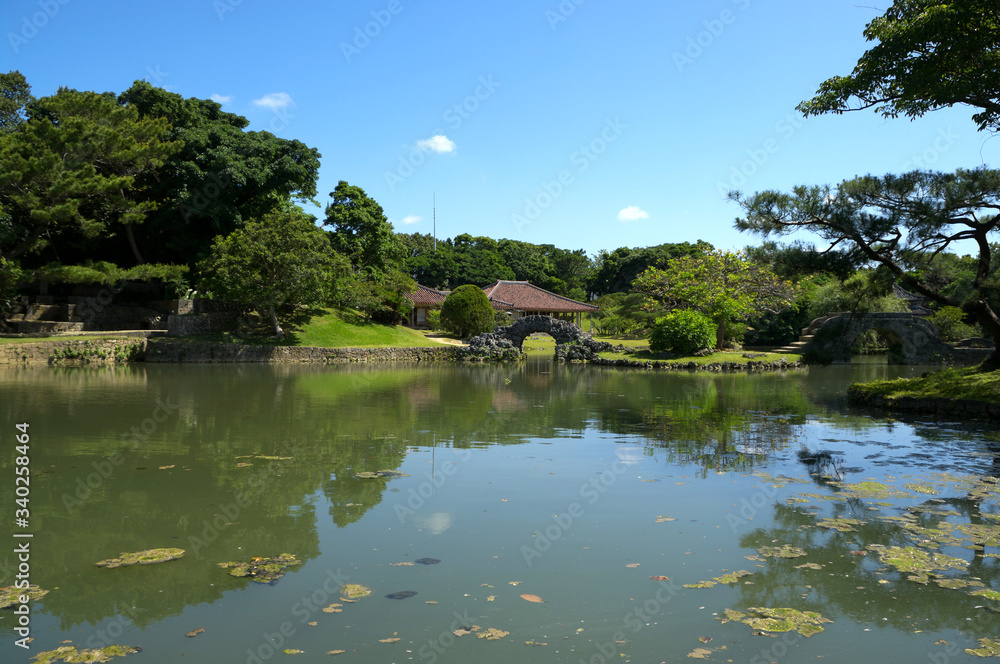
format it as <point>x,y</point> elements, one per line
<point>168,351</point>
<point>79,352</point>
<point>750,366</point>
<point>189,325</point>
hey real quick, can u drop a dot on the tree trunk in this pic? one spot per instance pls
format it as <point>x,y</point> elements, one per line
<point>720,335</point>
<point>278,332</point>
<point>131,242</point>
<point>991,325</point>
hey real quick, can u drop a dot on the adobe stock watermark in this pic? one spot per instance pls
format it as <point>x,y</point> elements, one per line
<point>561,524</point>
<point>562,12</point>
<point>757,157</point>
<point>419,496</point>
<point>223,7</point>
<point>436,647</point>
<point>942,143</point>
<point>582,159</point>
<point>104,469</point>
<point>31,26</point>
<point>699,43</point>
<point>364,34</point>
<point>304,609</point>
<point>454,116</point>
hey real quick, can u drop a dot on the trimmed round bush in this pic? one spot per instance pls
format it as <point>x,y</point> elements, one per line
<point>684,332</point>
<point>467,312</point>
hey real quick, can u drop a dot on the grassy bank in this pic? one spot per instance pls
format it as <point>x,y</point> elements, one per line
<point>962,383</point>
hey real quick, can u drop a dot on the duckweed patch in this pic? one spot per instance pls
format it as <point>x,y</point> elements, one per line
<point>987,648</point>
<point>354,591</point>
<point>375,474</point>
<point>764,619</point>
<point>840,524</point>
<point>262,570</point>
<point>72,654</point>
<point>918,561</point>
<point>783,551</point>
<point>871,489</point>
<point>147,557</point>
<point>11,595</point>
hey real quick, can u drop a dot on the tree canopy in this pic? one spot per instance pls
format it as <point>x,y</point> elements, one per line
<point>70,173</point>
<point>930,54</point>
<point>893,220</point>
<point>723,285</point>
<point>280,259</point>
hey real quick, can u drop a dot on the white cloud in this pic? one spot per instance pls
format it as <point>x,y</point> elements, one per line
<point>632,213</point>
<point>222,99</point>
<point>412,219</point>
<point>437,143</point>
<point>274,100</point>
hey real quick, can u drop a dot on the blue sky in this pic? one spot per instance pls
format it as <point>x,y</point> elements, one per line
<point>580,123</point>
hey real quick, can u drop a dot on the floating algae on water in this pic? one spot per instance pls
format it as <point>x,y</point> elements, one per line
<point>841,524</point>
<point>10,595</point>
<point>764,619</point>
<point>374,474</point>
<point>427,561</point>
<point>987,648</point>
<point>918,561</point>
<point>72,654</point>
<point>147,557</point>
<point>354,591</point>
<point>262,570</point>
<point>783,551</point>
<point>732,577</point>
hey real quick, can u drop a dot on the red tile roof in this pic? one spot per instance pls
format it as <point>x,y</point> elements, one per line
<point>426,297</point>
<point>525,297</point>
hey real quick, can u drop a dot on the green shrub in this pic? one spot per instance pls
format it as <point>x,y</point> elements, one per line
<point>683,332</point>
<point>434,319</point>
<point>467,312</point>
<point>950,324</point>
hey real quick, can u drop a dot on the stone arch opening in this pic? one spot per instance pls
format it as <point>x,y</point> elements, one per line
<point>572,343</point>
<point>895,343</point>
<point>911,339</point>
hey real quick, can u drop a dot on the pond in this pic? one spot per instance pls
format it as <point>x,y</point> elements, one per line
<point>541,512</point>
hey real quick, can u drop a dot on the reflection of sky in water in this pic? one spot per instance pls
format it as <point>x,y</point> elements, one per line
<point>435,523</point>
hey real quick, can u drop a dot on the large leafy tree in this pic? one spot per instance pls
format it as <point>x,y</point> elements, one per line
<point>72,173</point>
<point>930,54</point>
<point>222,176</point>
<point>280,259</point>
<point>723,285</point>
<point>615,271</point>
<point>361,231</point>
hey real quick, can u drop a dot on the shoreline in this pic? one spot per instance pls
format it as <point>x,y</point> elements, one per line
<point>137,348</point>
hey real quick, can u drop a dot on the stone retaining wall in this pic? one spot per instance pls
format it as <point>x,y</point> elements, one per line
<point>79,352</point>
<point>749,366</point>
<point>167,351</point>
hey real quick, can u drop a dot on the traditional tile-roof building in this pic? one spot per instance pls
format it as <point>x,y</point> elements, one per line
<point>424,299</point>
<point>523,299</point>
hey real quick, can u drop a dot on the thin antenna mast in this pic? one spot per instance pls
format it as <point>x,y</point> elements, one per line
<point>435,223</point>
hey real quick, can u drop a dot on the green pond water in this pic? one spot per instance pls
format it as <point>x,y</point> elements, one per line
<point>572,485</point>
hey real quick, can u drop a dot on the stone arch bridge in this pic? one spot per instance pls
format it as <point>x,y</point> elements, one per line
<point>572,343</point>
<point>911,339</point>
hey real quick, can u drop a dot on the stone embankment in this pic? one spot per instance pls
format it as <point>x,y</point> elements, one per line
<point>749,366</point>
<point>140,349</point>
<point>933,406</point>
<point>167,351</point>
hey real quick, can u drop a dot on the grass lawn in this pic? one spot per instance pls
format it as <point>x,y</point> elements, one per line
<point>332,328</point>
<point>33,340</point>
<point>963,383</point>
